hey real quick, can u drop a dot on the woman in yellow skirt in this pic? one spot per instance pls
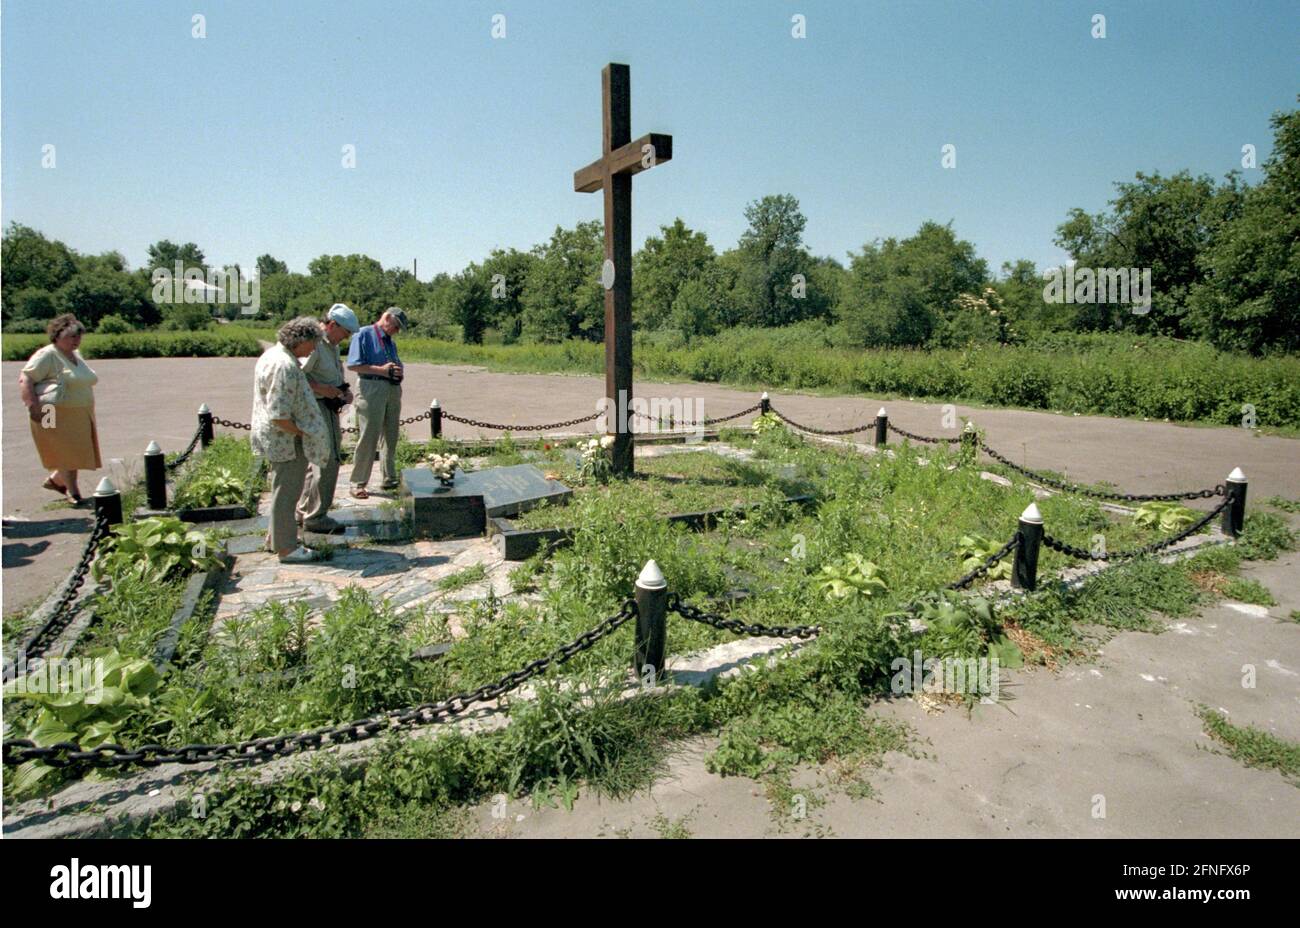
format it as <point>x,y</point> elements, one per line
<point>57,389</point>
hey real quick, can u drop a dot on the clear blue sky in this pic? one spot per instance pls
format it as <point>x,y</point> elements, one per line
<point>465,143</point>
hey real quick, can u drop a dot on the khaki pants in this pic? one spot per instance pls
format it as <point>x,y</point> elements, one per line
<point>286,486</point>
<point>379,412</point>
<point>318,488</point>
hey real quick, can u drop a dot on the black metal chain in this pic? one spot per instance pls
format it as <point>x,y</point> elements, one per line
<point>923,438</point>
<point>694,614</point>
<point>184,455</point>
<point>1218,490</point>
<point>62,614</point>
<point>1082,554</point>
<point>984,568</point>
<point>815,431</point>
<point>714,420</point>
<point>67,753</point>
<point>520,428</point>
<point>233,425</point>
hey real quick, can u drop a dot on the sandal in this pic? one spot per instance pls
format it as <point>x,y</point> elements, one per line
<point>360,493</point>
<point>49,484</point>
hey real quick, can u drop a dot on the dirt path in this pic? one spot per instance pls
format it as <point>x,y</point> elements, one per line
<point>157,398</point>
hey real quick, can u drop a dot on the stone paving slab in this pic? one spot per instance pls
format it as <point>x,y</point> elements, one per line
<point>406,576</point>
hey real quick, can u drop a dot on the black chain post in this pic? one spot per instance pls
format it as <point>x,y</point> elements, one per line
<point>651,621</point>
<point>764,404</point>
<point>155,476</point>
<point>1029,535</point>
<point>969,450</point>
<point>435,420</point>
<point>882,428</point>
<point>108,503</point>
<point>205,425</point>
<point>1234,516</point>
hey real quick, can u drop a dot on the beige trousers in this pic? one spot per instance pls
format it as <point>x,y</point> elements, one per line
<point>286,486</point>
<point>318,487</point>
<point>379,412</point>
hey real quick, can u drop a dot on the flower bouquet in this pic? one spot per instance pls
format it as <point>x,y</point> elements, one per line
<point>444,467</point>
<point>596,464</point>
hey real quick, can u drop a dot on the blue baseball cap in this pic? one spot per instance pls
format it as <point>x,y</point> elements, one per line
<point>344,317</point>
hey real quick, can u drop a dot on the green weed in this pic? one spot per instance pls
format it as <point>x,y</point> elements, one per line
<point>1253,746</point>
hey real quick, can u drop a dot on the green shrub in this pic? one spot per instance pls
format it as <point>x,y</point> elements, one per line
<point>24,326</point>
<point>359,660</point>
<point>1107,374</point>
<point>226,342</point>
<point>113,324</point>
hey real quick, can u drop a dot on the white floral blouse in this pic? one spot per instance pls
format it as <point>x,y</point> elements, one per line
<point>281,391</point>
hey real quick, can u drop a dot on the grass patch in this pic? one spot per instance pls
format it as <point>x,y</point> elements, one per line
<point>674,483</point>
<point>672,829</point>
<point>1253,746</point>
<point>1282,503</point>
<point>461,579</point>
<point>1245,590</point>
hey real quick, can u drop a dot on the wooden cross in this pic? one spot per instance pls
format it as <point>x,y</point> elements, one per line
<point>620,159</point>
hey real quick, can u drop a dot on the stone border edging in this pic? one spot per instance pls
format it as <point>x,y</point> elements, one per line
<point>194,589</point>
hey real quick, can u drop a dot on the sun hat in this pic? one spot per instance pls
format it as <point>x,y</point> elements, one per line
<point>344,317</point>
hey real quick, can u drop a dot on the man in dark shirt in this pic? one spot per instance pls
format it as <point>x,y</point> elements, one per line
<point>372,355</point>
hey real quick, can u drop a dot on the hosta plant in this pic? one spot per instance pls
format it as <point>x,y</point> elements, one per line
<point>155,549</point>
<point>86,708</point>
<point>219,488</point>
<point>853,575</point>
<point>974,550</point>
<point>767,422</point>
<point>1166,517</point>
<point>961,624</point>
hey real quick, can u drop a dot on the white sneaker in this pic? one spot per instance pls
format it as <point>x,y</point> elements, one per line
<point>300,555</point>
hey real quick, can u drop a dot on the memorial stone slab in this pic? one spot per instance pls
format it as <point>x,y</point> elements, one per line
<point>463,508</point>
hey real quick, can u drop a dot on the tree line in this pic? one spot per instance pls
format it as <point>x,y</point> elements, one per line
<point>1224,259</point>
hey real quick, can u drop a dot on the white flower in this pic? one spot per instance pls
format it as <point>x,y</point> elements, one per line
<point>317,804</point>
<point>606,441</point>
<point>296,807</point>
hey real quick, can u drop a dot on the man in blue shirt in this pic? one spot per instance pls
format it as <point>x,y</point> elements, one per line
<point>373,356</point>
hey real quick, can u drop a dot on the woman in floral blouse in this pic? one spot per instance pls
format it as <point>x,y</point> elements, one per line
<point>288,431</point>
